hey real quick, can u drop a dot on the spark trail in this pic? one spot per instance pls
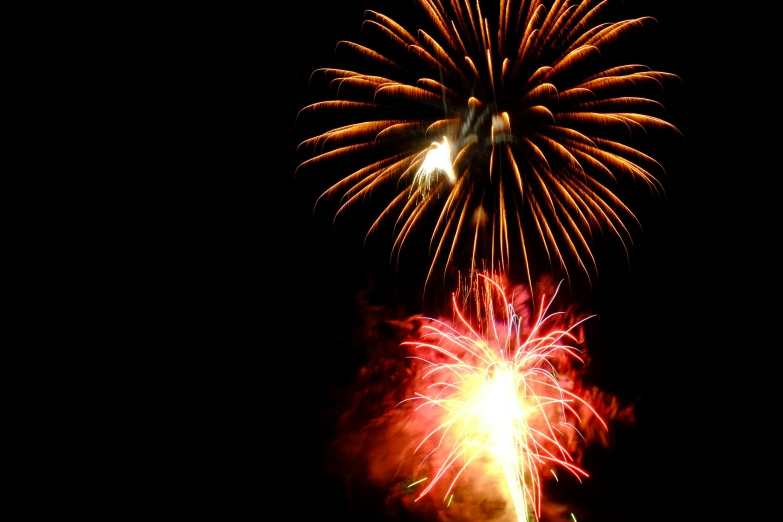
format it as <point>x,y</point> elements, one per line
<point>504,390</point>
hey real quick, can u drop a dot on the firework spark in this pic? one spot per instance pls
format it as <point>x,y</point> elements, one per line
<point>498,137</point>
<point>507,392</point>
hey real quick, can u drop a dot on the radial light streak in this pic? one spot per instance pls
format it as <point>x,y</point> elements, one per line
<point>535,129</point>
<point>501,390</point>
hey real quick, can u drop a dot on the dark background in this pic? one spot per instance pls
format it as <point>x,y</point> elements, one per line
<point>274,289</point>
<point>641,342</point>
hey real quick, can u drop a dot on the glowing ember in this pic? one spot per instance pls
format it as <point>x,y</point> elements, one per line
<point>437,160</point>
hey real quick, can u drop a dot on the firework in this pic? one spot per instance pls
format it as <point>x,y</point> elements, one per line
<point>494,136</point>
<point>501,387</point>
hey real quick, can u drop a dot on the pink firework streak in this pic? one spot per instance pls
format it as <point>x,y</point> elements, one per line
<point>501,394</point>
<point>488,408</point>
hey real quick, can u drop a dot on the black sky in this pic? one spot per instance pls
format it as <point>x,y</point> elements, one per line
<point>641,341</point>
<point>284,283</point>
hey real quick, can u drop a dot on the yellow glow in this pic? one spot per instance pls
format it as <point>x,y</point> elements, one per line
<point>499,392</point>
<point>503,415</point>
<point>437,160</point>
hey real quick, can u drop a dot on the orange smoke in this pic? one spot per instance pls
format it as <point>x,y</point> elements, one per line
<point>484,411</point>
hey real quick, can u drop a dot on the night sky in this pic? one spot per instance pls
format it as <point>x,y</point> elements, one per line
<point>641,341</point>
<point>248,315</point>
<point>636,342</point>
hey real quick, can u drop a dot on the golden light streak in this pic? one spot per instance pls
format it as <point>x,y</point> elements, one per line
<point>565,166</point>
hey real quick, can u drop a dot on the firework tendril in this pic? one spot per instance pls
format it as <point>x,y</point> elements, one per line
<point>505,390</point>
<point>498,136</point>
